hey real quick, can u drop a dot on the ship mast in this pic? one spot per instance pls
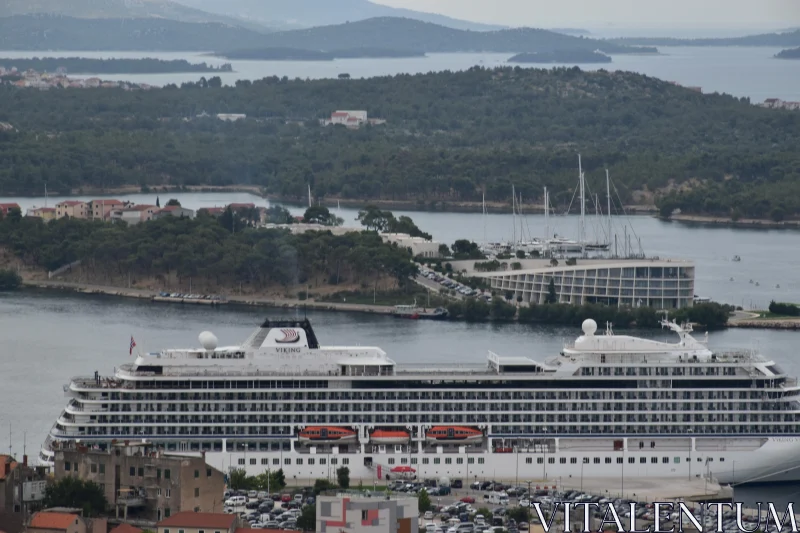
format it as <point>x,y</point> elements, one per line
<point>484,220</point>
<point>309,195</point>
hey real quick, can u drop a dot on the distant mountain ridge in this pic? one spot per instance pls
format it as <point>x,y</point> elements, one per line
<point>53,32</point>
<point>310,13</point>
<point>118,9</point>
<point>404,34</point>
<point>789,38</point>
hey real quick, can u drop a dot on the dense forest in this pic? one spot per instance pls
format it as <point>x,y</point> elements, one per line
<point>207,252</point>
<point>788,38</point>
<point>83,65</point>
<point>791,53</point>
<point>449,136</point>
<point>299,54</point>
<point>561,56</point>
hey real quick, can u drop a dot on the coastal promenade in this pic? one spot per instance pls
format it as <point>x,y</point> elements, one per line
<point>146,294</point>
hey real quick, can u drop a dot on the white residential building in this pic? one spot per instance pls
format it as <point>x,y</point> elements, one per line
<point>417,245</point>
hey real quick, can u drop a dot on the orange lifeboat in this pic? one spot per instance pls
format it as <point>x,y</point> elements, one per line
<point>453,433</point>
<point>389,436</point>
<point>326,434</point>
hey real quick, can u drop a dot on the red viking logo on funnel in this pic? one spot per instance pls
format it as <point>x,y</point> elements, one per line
<point>289,336</point>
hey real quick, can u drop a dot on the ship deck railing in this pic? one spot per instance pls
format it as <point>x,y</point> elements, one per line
<point>718,357</point>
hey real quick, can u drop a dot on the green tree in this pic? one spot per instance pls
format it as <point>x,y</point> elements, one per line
<point>322,485</point>
<point>237,479</point>
<point>173,201</point>
<point>374,219</point>
<point>520,254</point>
<point>520,514</point>
<point>307,521</point>
<point>552,297</point>
<point>277,214</point>
<point>343,477</point>
<point>9,280</point>
<point>444,250</point>
<point>278,478</point>
<point>73,492</point>
<point>424,502</point>
<point>321,215</point>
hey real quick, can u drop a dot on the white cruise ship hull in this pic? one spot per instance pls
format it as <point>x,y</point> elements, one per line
<point>777,460</point>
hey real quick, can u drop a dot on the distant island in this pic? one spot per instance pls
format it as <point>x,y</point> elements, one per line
<point>82,65</point>
<point>46,32</point>
<point>791,53</point>
<point>791,38</point>
<point>571,31</point>
<point>561,56</point>
<point>298,54</point>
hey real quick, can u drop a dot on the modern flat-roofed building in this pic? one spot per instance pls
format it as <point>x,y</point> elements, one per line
<point>356,513</point>
<point>657,283</point>
<point>417,245</point>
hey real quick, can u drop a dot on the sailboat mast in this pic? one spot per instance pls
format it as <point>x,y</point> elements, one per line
<point>608,196</point>
<point>583,208</point>
<point>483,202</point>
<point>309,195</point>
<point>514,216</point>
<point>546,221</point>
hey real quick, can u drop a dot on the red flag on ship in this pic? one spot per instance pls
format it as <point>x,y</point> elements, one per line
<point>133,343</point>
<point>379,472</point>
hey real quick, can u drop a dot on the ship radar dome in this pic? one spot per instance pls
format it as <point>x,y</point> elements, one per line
<point>208,340</point>
<point>589,327</point>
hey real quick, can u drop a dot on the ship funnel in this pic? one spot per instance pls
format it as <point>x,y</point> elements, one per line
<point>208,340</point>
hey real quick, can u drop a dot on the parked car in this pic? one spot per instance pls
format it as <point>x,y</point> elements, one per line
<point>428,515</point>
<point>468,499</point>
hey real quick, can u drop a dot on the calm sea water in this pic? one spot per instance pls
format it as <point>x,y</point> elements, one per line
<point>768,256</point>
<point>741,71</point>
<point>50,337</point>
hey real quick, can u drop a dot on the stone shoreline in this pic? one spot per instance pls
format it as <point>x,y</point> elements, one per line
<point>250,300</point>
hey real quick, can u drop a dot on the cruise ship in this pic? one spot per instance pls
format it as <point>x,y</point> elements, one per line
<point>608,406</point>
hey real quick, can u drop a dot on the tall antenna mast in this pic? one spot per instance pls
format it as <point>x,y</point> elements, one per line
<point>583,208</point>
<point>309,195</point>
<point>608,195</point>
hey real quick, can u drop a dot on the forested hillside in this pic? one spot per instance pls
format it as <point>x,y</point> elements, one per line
<point>449,137</point>
<point>172,250</point>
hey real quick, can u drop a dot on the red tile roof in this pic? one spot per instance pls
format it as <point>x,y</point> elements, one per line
<point>45,520</point>
<point>10,206</point>
<point>191,519</point>
<point>126,528</point>
<point>236,206</point>
<point>141,208</point>
<point>106,201</point>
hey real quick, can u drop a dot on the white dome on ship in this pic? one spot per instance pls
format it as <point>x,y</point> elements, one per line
<point>208,340</point>
<point>589,326</point>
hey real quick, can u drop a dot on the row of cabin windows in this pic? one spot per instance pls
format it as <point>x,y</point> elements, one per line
<point>619,461</point>
<point>299,461</point>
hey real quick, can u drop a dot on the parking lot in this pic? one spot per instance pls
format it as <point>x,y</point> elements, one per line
<point>267,511</point>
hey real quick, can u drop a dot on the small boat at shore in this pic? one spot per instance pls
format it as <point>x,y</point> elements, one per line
<point>416,313</point>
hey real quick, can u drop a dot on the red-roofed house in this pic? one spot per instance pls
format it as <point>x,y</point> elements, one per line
<point>127,528</point>
<point>191,522</point>
<point>72,209</point>
<point>45,213</point>
<point>236,207</point>
<point>211,211</point>
<point>138,213</point>
<point>173,211</point>
<point>46,522</point>
<point>5,207</point>
<point>102,208</point>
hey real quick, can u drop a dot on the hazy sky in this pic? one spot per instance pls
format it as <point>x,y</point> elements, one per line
<point>620,13</point>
